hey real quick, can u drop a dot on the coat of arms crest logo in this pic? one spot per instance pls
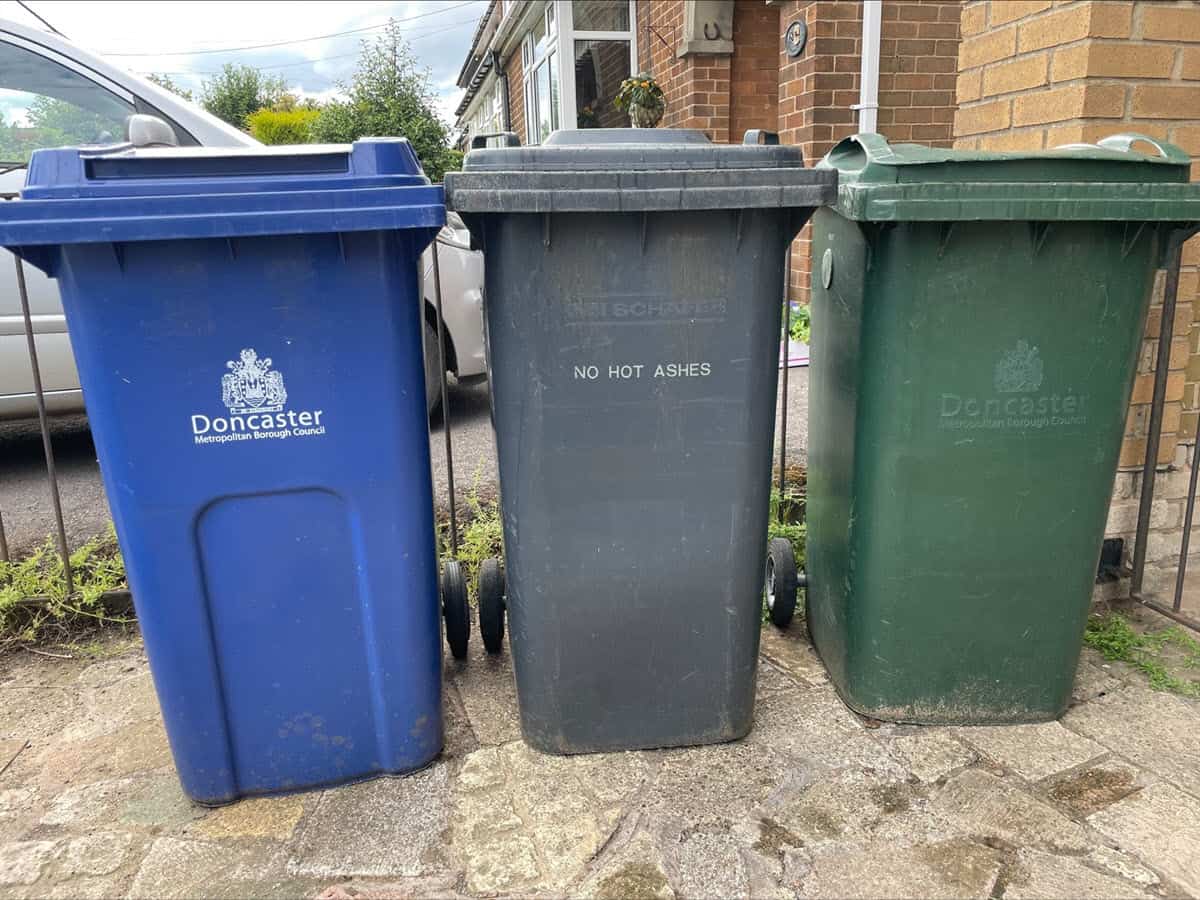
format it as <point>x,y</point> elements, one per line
<point>1019,370</point>
<point>252,385</point>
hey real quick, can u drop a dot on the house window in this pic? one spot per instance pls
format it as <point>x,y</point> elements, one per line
<point>575,56</point>
<point>540,56</point>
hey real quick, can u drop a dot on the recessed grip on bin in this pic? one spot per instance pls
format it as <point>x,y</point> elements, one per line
<point>510,139</point>
<point>760,136</point>
<point>1124,142</point>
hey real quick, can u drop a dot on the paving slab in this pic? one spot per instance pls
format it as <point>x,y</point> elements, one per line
<point>631,868</point>
<point>951,869</point>
<point>1091,789</point>
<point>259,817</point>
<point>1160,825</point>
<point>929,753</point>
<point>488,691</point>
<point>22,862</point>
<point>790,649</point>
<point>381,828</point>
<point>101,853</point>
<point>1094,678</point>
<point>1001,809</point>
<point>1038,875</point>
<point>1153,729</point>
<point>182,868</point>
<point>520,816</point>
<point>1032,751</point>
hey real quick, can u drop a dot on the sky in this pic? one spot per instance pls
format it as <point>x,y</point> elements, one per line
<point>168,37</point>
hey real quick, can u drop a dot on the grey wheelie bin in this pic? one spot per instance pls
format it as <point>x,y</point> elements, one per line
<point>634,287</point>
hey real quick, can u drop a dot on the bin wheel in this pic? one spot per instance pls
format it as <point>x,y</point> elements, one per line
<point>455,609</point>
<point>491,605</point>
<point>781,582</point>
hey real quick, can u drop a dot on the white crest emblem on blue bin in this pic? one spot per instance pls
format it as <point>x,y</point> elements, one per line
<point>1019,370</point>
<point>252,385</point>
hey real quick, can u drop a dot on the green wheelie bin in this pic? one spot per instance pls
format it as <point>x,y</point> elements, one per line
<point>976,319</point>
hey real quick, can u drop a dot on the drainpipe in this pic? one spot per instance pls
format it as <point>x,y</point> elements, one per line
<point>868,83</point>
<point>503,76</point>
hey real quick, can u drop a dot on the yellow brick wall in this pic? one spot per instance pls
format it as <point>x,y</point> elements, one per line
<point>1036,74</point>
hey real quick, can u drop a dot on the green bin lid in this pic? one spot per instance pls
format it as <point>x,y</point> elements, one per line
<point>1106,181</point>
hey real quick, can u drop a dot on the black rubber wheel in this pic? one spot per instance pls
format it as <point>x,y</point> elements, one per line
<point>433,380</point>
<point>491,605</point>
<point>781,582</point>
<point>455,610</point>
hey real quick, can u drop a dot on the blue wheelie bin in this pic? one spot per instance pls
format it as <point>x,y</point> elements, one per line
<point>248,332</point>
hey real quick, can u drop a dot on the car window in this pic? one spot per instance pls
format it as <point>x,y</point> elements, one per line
<point>46,104</point>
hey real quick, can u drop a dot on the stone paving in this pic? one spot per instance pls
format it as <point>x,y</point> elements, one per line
<point>816,802</point>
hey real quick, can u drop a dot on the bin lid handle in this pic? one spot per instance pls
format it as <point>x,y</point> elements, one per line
<point>510,139</point>
<point>1124,142</point>
<point>857,151</point>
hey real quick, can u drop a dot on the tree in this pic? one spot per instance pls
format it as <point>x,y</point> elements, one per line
<point>287,126</point>
<point>165,82</point>
<point>390,96</point>
<point>237,91</point>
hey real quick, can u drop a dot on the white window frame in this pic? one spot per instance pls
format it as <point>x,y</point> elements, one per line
<point>567,36</point>
<point>563,46</point>
<point>531,59</point>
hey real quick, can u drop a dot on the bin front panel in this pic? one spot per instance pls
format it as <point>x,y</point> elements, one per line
<point>258,411</point>
<point>633,369</point>
<point>968,396</point>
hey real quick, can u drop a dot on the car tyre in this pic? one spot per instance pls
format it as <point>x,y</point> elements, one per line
<point>433,379</point>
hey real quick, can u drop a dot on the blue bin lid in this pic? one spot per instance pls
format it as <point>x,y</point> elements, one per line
<point>102,195</point>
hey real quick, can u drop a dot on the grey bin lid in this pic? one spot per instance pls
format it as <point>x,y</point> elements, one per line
<point>635,170</point>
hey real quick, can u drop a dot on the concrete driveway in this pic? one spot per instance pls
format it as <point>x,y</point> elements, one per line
<point>25,498</point>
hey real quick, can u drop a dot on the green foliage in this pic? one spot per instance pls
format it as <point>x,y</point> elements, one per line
<point>165,82</point>
<point>237,91</point>
<point>282,127</point>
<point>640,90</point>
<point>57,123</point>
<point>389,96</point>
<point>481,538</point>
<point>34,603</point>
<point>1116,640</point>
<point>801,324</point>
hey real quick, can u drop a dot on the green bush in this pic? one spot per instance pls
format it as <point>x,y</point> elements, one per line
<point>293,126</point>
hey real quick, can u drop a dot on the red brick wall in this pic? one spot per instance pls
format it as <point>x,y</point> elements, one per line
<point>918,70</point>
<point>754,70</point>
<point>516,94</point>
<point>918,66</point>
<point>696,87</point>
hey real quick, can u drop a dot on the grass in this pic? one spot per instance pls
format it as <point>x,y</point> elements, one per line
<point>35,607</point>
<point>1150,653</point>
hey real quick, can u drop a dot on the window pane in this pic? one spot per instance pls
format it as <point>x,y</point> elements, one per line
<point>44,104</point>
<point>545,106</point>
<point>552,65</point>
<point>601,15</point>
<point>600,67</point>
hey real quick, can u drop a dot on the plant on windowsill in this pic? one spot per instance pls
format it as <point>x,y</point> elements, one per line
<point>643,99</point>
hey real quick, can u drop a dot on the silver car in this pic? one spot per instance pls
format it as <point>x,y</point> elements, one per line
<point>52,94</point>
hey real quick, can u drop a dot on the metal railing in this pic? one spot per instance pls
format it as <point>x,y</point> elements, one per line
<point>1162,365</point>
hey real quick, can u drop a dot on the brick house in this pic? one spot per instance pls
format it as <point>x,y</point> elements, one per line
<point>984,74</point>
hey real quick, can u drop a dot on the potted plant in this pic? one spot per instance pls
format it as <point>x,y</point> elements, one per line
<point>643,99</point>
